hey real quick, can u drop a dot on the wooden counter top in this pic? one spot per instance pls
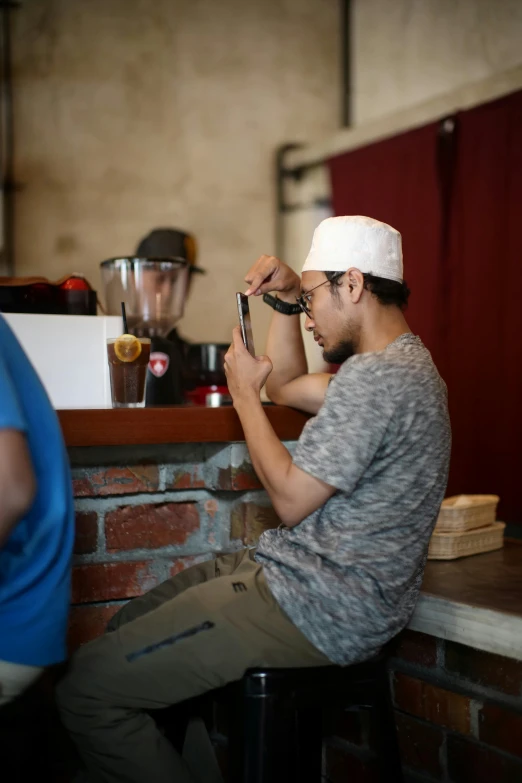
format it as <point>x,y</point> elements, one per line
<point>176,424</point>
<point>489,581</point>
<point>476,601</point>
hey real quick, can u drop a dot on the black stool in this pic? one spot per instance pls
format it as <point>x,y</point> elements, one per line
<point>276,727</point>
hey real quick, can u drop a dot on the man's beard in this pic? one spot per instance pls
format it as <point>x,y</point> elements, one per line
<point>340,352</point>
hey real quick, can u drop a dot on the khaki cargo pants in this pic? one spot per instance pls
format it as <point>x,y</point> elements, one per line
<point>195,632</point>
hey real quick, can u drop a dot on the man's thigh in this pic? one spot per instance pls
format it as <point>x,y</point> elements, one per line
<point>205,637</point>
<point>171,588</point>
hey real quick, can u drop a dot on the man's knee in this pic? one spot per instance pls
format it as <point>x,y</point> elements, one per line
<point>118,619</point>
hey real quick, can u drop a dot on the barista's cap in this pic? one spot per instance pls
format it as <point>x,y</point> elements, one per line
<point>353,240</point>
<point>169,242</point>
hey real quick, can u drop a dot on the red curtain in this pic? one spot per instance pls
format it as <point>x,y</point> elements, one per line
<point>396,181</point>
<point>484,286</point>
<point>454,190</point>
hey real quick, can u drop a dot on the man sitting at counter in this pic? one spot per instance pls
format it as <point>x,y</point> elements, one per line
<point>357,502</point>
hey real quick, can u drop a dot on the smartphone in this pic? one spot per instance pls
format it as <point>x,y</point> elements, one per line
<point>245,323</point>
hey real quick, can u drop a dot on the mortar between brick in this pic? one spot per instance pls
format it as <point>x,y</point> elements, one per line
<point>474,707</point>
<point>448,682</point>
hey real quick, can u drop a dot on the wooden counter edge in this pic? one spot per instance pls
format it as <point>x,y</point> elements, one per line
<point>131,426</point>
<point>492,631</point>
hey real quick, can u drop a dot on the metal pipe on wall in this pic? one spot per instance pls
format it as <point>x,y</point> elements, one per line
<point>346,62</point>
<point>283,172</point>
<point>7,140</point>
<point>282,207</point>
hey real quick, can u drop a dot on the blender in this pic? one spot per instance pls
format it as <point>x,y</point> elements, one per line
<point>154,291</point>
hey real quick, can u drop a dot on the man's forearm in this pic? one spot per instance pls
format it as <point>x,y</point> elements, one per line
<point>294,493</point>
<point>285,348</point>
<point>270,459</point>
<point>17,481</point>
<point>16,501</point>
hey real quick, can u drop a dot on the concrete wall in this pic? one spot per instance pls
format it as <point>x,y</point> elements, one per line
<point>408,51</point>
<point>133,114</point>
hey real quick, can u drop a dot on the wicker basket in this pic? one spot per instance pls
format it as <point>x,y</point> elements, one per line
<point>466,512</point>
<point>448,546</point>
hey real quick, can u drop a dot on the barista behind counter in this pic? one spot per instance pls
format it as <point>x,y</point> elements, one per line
<point>173,243</point>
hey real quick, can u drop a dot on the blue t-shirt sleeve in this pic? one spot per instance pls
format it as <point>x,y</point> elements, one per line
<point>11,413</point>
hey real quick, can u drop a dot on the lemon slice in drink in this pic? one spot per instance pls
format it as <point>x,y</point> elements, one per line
<point>127,348</point>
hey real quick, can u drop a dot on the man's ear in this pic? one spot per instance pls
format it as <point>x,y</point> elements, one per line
<point>355,282</point>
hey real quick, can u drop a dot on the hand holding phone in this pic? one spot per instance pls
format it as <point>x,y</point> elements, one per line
<point>245,322</point>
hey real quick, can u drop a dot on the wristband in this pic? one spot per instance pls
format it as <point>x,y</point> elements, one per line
<point>282,307</point>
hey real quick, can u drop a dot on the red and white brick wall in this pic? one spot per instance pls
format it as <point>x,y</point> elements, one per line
<point>145,513</point>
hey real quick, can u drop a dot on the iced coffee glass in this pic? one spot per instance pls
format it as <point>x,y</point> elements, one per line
<point>128,361</point>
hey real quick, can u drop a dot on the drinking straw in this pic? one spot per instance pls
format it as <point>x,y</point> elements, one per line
<point>124,316</point>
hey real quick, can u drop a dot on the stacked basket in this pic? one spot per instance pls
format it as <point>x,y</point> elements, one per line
<point>466,525</point>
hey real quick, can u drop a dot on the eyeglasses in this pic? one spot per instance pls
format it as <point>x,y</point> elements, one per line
<point>304,302</point>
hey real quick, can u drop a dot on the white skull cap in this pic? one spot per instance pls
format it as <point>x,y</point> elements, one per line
<point>353,240</point>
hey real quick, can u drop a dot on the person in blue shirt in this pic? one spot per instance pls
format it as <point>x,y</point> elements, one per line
<point>36,524</point>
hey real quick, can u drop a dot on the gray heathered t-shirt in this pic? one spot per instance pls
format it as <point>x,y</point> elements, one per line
<point>349,574</point>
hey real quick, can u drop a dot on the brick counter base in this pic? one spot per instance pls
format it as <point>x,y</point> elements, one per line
<point>459,711</point>
<point>145,513</point>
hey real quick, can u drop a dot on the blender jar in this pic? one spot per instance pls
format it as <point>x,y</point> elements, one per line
<point>153,289</point>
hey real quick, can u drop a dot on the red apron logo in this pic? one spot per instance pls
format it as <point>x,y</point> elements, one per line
<point>159,364</point>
